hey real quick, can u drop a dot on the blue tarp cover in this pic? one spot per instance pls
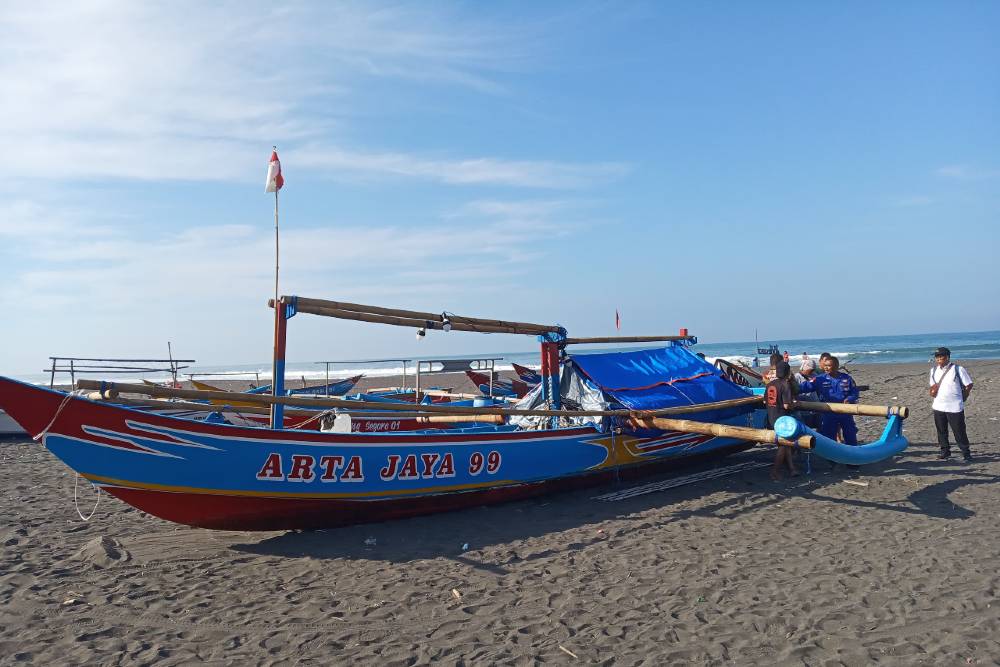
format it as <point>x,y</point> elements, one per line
<point>662,378</point>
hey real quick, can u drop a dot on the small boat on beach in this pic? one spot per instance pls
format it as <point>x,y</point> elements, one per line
<point>9,427</point>
<point>338,388</point>
<point>498,385</point>
<point>527,375</point>
<point>592,419</point>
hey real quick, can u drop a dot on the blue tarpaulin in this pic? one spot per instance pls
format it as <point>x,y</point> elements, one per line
<point>661,378</point>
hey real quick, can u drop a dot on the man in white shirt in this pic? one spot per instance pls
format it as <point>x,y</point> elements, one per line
<point>950,387</point>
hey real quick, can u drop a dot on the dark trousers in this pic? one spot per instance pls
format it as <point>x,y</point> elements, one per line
<point>956,420</point>
<point>833,421</point>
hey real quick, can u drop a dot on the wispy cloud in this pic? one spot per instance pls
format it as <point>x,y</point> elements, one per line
<point>911,201</point>
<point>116,267</point>
<point>481,171</point>
<point>180,91</point>
<point>964,172</point>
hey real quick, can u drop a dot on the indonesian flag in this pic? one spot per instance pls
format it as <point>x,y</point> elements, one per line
<point>618,320</point>
<point>274,178</point>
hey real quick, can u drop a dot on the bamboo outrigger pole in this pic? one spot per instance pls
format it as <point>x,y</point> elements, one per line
<point>855,409</point>
<point>646,418</point>
<point>418,417</point>
<point>725,431</point>
<point>414,318</point>
<point>114,389</point>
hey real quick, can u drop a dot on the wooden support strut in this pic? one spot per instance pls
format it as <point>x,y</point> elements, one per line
<point>725,431</point>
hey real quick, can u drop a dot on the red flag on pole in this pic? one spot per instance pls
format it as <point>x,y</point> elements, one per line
<point>618,320</point>
<point>274,178</point>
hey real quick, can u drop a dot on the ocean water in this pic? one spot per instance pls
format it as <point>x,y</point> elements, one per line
<point>856,350</point>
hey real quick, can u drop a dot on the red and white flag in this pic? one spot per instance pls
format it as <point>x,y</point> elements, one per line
<point>618,320</point>
<point>274,177</point>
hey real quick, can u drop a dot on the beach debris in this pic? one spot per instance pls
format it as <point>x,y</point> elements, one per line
<point>103,552</point>
<point>465,547</point>
<point>455,594</point>
<point>69,601</point>
<point>370,541</point>
<point>568,652</point>
<point>729,554</point>
<point>855,482</point>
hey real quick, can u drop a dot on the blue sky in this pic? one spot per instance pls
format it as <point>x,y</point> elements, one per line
<point>804,170</point>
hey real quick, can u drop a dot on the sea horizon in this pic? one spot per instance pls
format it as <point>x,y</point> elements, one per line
<point>856,350</point>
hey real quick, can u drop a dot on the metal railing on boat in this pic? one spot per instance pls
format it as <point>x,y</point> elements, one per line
<point>99,366</point>
<point>348,362</point>
<point>427,367</point>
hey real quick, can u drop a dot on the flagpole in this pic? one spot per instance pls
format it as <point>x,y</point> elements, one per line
<point>276,384</point>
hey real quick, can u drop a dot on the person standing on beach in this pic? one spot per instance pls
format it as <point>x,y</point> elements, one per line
<point>834,386</point>
<point>778,398</point>
<point>785,357</point>
<point>950,387</point>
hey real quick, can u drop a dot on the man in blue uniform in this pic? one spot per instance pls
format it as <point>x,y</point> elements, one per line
<point>835,386</point>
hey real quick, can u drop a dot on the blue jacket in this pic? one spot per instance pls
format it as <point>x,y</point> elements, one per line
<point>832,389</point>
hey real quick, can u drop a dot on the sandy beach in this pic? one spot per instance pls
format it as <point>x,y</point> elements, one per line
<point>898,564</point>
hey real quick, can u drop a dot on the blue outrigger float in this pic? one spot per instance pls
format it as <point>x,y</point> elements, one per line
<point>593,418</point>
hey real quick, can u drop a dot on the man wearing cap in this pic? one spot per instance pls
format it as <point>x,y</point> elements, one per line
<point>950,387</point>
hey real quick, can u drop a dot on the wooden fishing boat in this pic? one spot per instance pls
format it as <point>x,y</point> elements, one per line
<point>498,385</point>
<point>741,375</point>
<point>592,418</point>
<point>338,388</point>
<point>9,427</point>
<point>528,375</point>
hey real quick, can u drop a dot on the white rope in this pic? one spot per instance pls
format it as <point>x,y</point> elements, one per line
<point>44,431</point>
<point>76,502</point>
<point>675,482</point>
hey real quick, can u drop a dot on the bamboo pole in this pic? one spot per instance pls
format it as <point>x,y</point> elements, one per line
<point>856,409</point>
<point>307,305</point>
<point>624,339</point>
<point>194,407</point>
<point>257,410</point>
<point>459,419</point>
<point>725,431</point>
<point>116,388</point>
<point>434,324</point>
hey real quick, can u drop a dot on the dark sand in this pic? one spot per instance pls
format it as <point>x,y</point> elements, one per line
<point>738,570</point>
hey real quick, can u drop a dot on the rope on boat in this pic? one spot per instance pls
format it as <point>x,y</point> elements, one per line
<point>44,431</point>
<point>322,414</point>
<point>76,501</point>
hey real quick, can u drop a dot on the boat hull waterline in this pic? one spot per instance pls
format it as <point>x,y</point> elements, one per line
<point>236,478</point>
